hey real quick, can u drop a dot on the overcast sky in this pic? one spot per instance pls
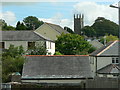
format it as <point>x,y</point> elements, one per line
<point>57,11</point>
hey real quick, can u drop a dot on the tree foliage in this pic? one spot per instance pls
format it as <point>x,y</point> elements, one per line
<point>88,31</point>
<point>12,61</point>
<point>4,25</point>
<point>32,22</point>
<point>108,38</point>
<point>103,26</point>
<point>37,50</point>
<point>20,26</point>
<point>58,53</point>
<point>69,30</point>
<point>72,44</point>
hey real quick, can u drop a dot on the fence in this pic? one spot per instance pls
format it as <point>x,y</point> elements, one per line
<point>98,82</point>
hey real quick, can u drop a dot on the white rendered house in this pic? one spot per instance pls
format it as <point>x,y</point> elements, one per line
<point>104,61</point>
<point>26,39</point>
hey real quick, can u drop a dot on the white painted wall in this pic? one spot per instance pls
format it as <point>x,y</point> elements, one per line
<point>50,46</point>
<point>92,64</point>
<point>101,62</point>
<point>109,76</point>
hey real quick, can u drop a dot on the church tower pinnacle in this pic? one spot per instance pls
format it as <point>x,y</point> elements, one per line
<point>78,23</point>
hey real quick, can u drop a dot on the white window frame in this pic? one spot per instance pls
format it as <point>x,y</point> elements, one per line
<point>115,60</point>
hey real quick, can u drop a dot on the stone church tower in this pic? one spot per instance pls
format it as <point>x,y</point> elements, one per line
<point>78,23</point>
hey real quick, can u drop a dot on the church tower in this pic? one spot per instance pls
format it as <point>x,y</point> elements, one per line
<point>78,23</point>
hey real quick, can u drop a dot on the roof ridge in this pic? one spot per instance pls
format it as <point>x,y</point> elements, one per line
<point>54,28</point>
<point>18,30</point>
<point>56,55</point>
<point>52,24</point>
<point>107,48</point>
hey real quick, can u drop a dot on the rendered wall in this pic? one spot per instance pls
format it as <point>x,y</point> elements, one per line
<point>16,43</point>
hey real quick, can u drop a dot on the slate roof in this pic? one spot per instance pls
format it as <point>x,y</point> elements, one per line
<point>21,36</point>
<point>56,67</point>
<point>57,28</point>
<point>109,69</point>
<point>111,49</point>
<point>96,44</point>
<point>50,31</point>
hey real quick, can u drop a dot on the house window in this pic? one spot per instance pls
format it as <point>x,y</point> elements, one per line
<point>31,45</point>
<point>2,45</point>
<point>115,60</point>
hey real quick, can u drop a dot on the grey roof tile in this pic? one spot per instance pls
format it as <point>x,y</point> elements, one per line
<point>109,69</point>
<point>53,67</point>
<point>50,31</point>
<point>96,44</point>
<point>57,28</point>
<point>20,36</point>
<point>111,49</point>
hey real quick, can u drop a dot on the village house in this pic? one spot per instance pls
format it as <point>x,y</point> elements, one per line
<point>56,69</point>
<point>50,31</point>
<point>104,61</point>
<point>96,44</point>
<point>27,39</point>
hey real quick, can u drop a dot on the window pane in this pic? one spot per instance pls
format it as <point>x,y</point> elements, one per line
<point>117,60</point>
<point>31,45</point>
<point>113,60</point>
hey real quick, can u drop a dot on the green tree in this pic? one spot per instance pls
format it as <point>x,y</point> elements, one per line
<point>103,26</point>
<point>32,22</point>
<point>91,49</point>
<point>72,44</point>
<point>10,28</point>
<point>58,53</point>
<point>12,61</point>
<point>88,31</point>
<point>4,25</point>
<point>69,30</point>
<point>20,26</point>
<point>108,38</point>
<point>14,51</point>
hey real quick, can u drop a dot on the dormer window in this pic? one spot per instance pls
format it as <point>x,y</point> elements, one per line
<point>115,60</point>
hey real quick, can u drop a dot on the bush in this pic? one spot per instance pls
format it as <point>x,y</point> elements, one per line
<point>12,61</point>
<point>40,50</point>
